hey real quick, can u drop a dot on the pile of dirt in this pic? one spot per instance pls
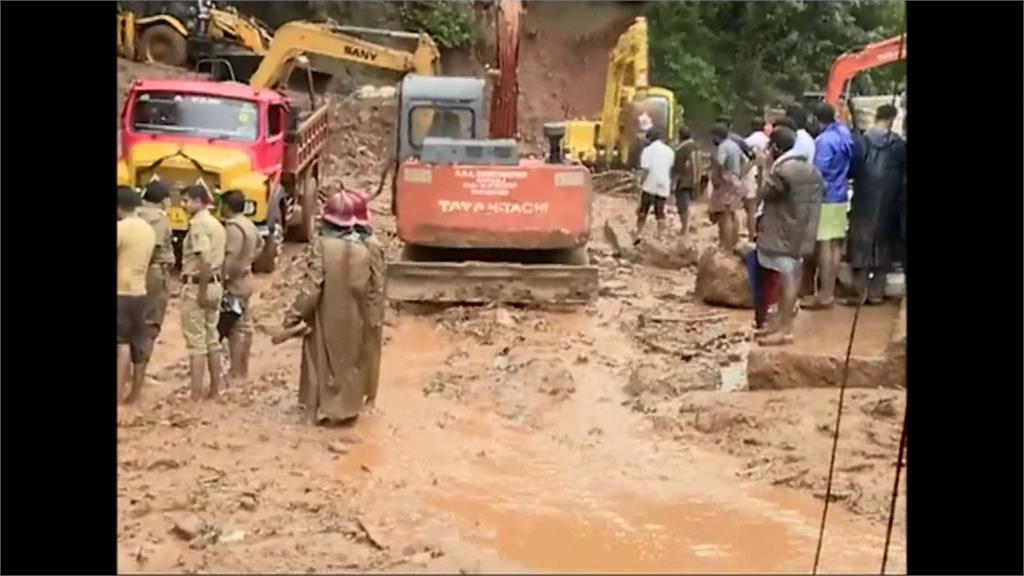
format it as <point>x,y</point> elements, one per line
<point>360,142</point>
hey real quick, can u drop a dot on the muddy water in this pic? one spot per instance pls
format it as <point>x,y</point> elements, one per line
<point>586,487</point>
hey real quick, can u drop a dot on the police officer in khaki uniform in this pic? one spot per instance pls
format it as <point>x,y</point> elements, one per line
<point>154,201</point>
<point>242,245</point>
<point>201,291</point>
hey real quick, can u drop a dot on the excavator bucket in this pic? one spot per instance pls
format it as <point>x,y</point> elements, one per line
<point>483,282</point>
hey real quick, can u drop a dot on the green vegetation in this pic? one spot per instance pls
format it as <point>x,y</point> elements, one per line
<point>452,23</point>
<point>736,57</point>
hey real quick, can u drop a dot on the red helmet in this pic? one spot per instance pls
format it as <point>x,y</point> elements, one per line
<point>339,209</point>
<point>360,210</point>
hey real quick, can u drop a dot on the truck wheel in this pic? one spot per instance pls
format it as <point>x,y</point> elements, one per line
<point>266,261</point>
<point>306,229</point>
<point>163,44</point>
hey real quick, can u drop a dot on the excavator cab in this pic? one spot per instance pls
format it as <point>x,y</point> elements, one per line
<point>479,223</point>
<point>437,107</point>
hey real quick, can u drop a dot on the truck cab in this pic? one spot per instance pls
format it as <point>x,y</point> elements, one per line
<point>223,135</point>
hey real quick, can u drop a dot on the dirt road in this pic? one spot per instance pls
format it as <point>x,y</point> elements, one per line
<point>507,439</point>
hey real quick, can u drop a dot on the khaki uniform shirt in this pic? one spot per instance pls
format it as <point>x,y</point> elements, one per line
<point>243,243</point>
<point>205,241</point>
<point>154,215</point>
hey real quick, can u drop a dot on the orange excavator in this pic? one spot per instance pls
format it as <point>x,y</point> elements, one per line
<point>480,224</point>
<point>850,64</point>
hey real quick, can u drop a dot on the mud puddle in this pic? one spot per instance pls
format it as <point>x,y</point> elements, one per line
<point>582,485</point>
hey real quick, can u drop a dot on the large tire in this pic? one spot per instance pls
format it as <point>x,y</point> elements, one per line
<point>306,230</point>
<point>163,44</point>
<point>266,261</point>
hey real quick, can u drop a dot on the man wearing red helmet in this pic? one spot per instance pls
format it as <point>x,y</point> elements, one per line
<point>341,300</point>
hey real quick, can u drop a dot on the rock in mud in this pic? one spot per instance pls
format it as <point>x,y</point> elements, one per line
<point>188,526</point>
<point>668,256</point>
<point>619,239</point>
<point>719,419</point>
<point>549,376</point>
<point>722,279</point>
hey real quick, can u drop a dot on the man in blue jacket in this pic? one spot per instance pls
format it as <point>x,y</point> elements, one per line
<point>833,151</point>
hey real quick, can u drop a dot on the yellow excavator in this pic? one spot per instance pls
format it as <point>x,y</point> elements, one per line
<point>175,33</point>
<point>614,140</point>
<point>255,138</point>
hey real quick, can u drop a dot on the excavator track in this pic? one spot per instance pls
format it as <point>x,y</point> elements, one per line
<point>416,279</point>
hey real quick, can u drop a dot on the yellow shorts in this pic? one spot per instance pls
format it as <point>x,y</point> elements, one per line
<point>832,224</point>
<point>199,324</point>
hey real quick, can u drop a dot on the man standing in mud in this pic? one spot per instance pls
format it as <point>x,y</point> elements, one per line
<point>684,176</point>
<point>879,171</point>
<point>135,242</point>
<point>340,298</point>
<point>792,193</point>
<point>727,191</point>
<point>201,291</point>
<point>154,202</point>
<point>656,181</point>
<point>833,151</point>
<point>242,244</point>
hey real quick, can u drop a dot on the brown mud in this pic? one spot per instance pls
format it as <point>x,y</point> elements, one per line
<point>611,437</point>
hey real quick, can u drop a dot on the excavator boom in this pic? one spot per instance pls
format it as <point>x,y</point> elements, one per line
<point>873,55</point>
<point>627,73</point>
<point>504,98</point>
<point>306,38</point>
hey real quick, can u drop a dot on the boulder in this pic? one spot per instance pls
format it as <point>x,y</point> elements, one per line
<point>722,279</point>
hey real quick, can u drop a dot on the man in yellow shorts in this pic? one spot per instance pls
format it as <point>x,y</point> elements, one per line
<point>202,258</point>
<point>833,151</point>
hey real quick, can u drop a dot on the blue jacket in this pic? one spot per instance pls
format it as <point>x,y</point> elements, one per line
<point>833,151</point>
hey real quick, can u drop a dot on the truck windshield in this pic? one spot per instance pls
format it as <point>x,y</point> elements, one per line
<point>195,115</point>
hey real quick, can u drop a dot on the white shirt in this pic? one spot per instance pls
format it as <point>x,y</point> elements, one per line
<point>804,144</point>
<point>757,140</point>
<point>657,159</point>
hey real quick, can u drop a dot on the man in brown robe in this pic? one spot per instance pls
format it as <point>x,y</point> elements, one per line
<point>340,300</point>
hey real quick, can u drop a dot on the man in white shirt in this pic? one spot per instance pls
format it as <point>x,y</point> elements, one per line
<point>804,141</point>
<point>656,176</point>
<point>758,143</point>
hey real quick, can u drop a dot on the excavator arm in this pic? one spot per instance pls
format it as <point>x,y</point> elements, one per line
<point>249,31</point>
<point>505,96</point>
<point>295,39</point>
<point>873,55</point>
<point>627,73</point>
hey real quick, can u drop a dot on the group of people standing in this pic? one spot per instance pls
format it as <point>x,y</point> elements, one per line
<point>340,303</point>
<point>791,178</point>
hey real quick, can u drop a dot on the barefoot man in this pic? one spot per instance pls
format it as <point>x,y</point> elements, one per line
<point>154,202</point>
<point>341,274</point>
<point>135,242</point>
<point>792,193</point>
<point>727,191</point>
<point>243,243</point>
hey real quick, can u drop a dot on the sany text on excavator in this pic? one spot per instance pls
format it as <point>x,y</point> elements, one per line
<point>253,138</point>
<point>479,223</point>
<point>613,141</point>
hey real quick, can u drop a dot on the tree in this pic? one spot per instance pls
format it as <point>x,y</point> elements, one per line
<point>736,57</point>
